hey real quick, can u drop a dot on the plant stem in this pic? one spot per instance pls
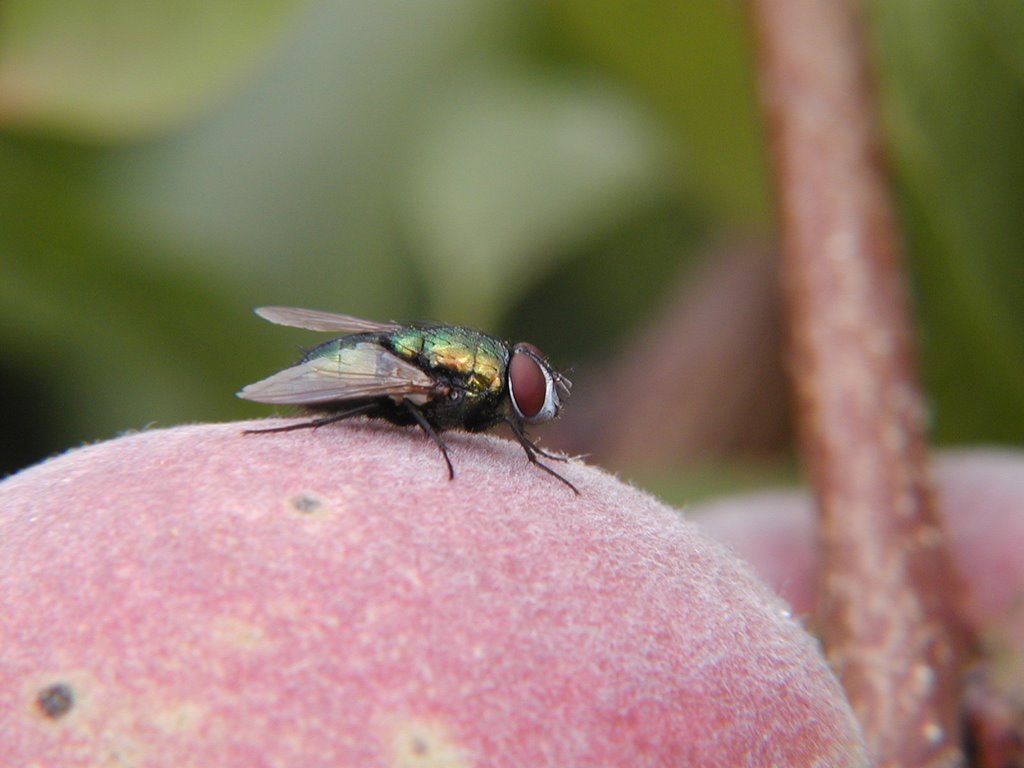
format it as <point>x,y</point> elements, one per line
<point>888,614</point>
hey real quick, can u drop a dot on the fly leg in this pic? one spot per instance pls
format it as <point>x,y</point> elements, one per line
<point>521,434</point>
<point>432,434</point>
<point>532,450</point>
<point>315,423</point>
<point>553,456</point>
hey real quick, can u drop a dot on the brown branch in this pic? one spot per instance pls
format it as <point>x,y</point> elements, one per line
<point>888,615</point>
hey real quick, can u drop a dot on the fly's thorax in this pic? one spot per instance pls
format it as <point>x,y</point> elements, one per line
<point>475,359</point>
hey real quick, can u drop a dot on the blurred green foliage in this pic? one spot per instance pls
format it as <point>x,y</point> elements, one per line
<point>109,69</point>
<point>539,169</point>
<point>952,84</point>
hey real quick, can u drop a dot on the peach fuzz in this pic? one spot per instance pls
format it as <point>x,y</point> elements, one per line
<point>980,500</point>
<point>198,597</point>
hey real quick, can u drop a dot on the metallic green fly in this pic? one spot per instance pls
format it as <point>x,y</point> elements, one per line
<point>438,377</point>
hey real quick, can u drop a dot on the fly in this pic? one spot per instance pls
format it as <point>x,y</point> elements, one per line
<point>437,377</point>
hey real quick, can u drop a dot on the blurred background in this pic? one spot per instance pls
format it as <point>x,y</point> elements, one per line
<point>589,176</point>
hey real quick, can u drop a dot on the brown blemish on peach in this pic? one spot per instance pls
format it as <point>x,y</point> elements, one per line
<point>56,700</point>
<point>238,633</point>
<point>100,715</point>
<point>179,717</point>
<point>307,503</point>
<point>425,744</point>
<point>312,506</point>
<point>58,696</point>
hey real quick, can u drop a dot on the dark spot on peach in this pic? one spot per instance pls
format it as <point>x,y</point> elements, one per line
<point>56,700</point>
<point>305,503</point>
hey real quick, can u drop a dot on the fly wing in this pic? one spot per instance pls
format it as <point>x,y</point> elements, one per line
<point>364,370</point>
<point>315,320</point>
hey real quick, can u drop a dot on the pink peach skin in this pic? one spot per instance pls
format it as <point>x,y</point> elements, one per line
<point>980,499</point>
<point>194,597</point>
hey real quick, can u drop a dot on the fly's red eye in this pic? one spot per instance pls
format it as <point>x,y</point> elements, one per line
<point>530,348</point>
<point>527,383</point>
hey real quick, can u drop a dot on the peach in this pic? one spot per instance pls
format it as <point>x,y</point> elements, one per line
<point>199,597</point>
<point>979,497</point>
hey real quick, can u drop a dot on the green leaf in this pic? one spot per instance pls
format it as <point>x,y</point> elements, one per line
<point>115,69</point>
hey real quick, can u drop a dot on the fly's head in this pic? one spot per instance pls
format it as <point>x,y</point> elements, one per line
<point>535,388</point>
